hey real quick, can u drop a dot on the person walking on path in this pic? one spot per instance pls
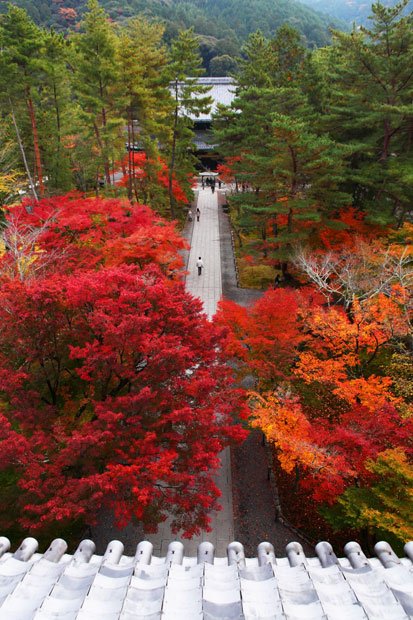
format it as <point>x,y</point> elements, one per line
<point>199,264</point>
<point>198,214</point>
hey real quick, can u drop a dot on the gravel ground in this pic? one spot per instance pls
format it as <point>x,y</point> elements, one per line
<point>254,511</point>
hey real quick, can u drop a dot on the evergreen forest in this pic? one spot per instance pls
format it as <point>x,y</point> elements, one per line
<point>116,391</point>
<point>350,11</point>
<point>222,25</point>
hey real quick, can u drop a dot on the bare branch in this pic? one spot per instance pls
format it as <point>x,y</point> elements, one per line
<point>24,256</point>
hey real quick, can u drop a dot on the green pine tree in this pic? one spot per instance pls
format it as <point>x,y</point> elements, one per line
<point>21,72</point>
<point>369,102</point>
<point>293,174</point>
<point>96,87</point>
<point>144,82</point>
<point>190,99</point>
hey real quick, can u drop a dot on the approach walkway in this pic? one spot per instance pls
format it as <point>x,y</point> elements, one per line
<point>205,242</point>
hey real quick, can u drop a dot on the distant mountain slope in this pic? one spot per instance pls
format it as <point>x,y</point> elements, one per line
<point>348,10</point>
<point>228,20</point>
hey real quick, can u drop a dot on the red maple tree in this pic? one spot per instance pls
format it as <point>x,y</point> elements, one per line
<point>112,386</point>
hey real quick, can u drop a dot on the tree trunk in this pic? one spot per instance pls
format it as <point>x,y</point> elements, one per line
<point>173,154</point>
<point>172,165</point>
<point>290,221</point>
<point>105,162</point>
<point>58,129</point>
<point>19,140</point>
<point>134,179</point>
<point>386,141</point>
<point>130,156</point>
<point>104,123</point>
<point>37,156</point>
<point>264,238</point>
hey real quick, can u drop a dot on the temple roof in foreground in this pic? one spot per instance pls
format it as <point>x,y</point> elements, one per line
<point>85,586</point>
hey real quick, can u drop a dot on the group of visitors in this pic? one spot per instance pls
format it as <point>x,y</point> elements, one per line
<point>199,262</point>
<point>210,182</point>
<point>206,182</point>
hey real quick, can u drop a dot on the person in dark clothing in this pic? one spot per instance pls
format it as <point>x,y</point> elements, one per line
<point>198,214</point>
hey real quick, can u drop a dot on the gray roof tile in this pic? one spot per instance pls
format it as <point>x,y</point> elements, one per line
<point>222,91</point>
<point>84,586</point>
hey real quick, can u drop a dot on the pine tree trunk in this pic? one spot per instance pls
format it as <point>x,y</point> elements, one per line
<point>264,238</point>
<point>104,123</point>
<point>23,152</point>
<point>386,141</point>
<point>105,159</point>
<point>173,154</point>
<point>37,156</point>
<point>58,129</point>
<point>134,179</point>
<point>100,144</point>
<point>130,155</point>
<point>172,165</point>
<point>290,221</point>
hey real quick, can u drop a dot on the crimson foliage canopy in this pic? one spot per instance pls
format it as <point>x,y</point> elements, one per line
<point>113,391</point>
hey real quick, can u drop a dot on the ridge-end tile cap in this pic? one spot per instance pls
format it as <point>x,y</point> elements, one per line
<point>295,554</point>
<point>84,551</point>
<point>266,554</point>
<point>113,552</point>
<point>144,552</point>
<point>4,545</point>
<point>236,554</point>
<point>326,554</point>
<point>56,550</point>
<point>175,553</point>
<point>386,554</point>
<point>408,549</point>
<point>206,551</point>
<point>27,548</point>
<point>355,555</point>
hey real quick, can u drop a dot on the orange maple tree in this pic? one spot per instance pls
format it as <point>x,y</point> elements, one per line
<point>322,396</point>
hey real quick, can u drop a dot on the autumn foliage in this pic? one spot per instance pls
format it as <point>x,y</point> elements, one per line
<point>142,175</point>
<point>323,397</point>
<point>112,387</point>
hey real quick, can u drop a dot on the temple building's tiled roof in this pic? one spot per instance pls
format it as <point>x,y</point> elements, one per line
<point>84,586</point>
<point>222,90</point>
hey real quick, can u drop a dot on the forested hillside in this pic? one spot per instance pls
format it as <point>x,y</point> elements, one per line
<point>348,10</point>
<point>223,24</point>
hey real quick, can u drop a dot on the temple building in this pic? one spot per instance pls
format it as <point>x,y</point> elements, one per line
<point>222,91</point>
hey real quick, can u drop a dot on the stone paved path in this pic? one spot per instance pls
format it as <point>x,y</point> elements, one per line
<point>205,242</point>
